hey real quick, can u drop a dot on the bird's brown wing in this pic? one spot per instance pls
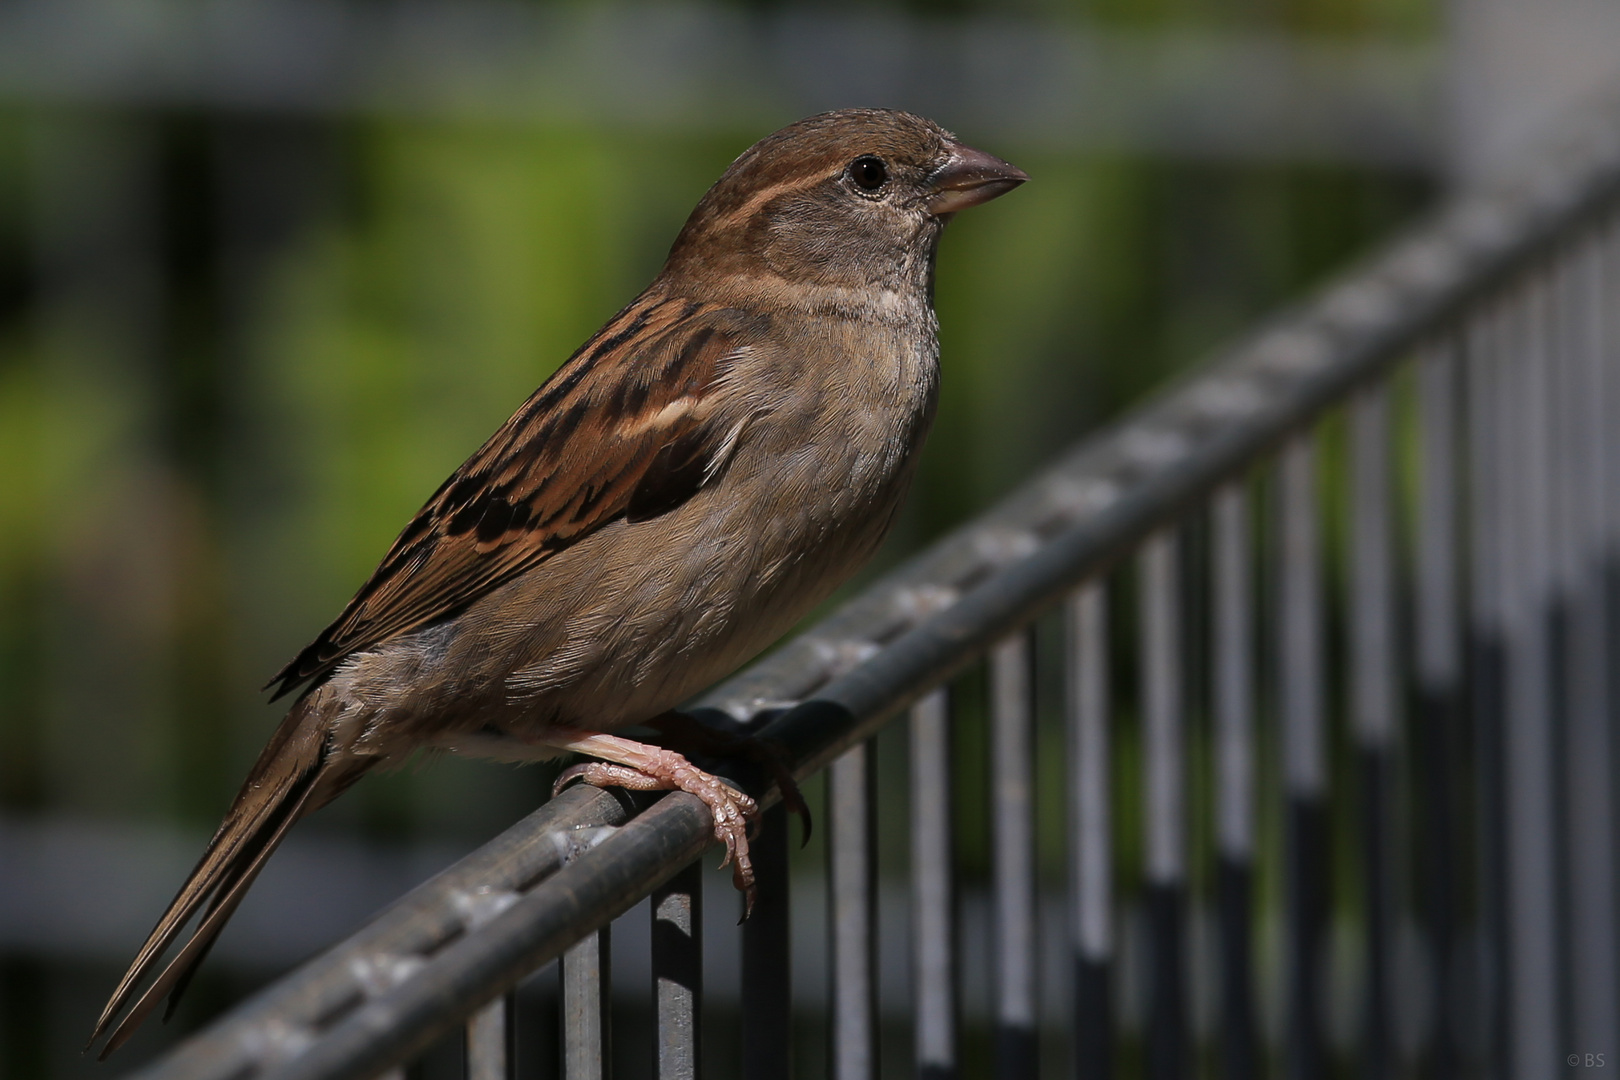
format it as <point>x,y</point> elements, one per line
<point>626,428</point>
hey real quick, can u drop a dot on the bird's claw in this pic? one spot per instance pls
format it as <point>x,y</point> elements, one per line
<point>694,736</point>
<point>731,810</point>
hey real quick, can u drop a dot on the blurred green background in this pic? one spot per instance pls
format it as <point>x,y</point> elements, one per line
<point>239,349</point>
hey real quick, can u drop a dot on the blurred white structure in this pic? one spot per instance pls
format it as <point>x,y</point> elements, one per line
<point>1512,66</point>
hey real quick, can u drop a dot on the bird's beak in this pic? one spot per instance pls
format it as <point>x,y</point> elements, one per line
<point>970,177</point>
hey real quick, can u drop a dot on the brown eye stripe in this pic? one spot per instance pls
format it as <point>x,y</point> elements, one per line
<point>748,209</point>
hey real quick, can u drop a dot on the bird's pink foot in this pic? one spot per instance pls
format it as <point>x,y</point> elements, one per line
<point>657,769</point>
<point>687,735</point>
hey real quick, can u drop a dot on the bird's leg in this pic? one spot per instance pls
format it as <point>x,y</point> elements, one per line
<point>641,767</point>
<point>692,736</point>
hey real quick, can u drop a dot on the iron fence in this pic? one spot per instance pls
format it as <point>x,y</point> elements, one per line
<point>1371,556</point>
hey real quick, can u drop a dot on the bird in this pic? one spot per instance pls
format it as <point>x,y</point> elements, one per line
<point>708,467</point>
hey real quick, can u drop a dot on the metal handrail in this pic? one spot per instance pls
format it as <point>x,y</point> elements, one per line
<point>461,940</point>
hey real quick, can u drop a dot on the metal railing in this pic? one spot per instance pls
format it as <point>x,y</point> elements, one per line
<point>1399,497</point>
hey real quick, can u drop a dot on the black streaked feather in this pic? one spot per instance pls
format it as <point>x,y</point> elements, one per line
<point>579,454</point>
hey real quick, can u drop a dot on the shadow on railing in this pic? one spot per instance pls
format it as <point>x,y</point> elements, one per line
<point>1471,787</point>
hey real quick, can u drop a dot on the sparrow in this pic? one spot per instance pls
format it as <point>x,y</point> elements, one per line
<point>698,476</point>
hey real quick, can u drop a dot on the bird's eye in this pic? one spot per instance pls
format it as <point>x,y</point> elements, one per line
<point>869,173</point>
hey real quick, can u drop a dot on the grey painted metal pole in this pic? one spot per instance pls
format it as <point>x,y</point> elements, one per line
<point>1438,634</point>
<point>1373,709</point>
<point>1236,771</point>
<point>852,881</point>
<point>1235,766</point>
<point>1561,480</point>
<point>1608,362</point>
<point>491,1041</point>
<point>1531,840</point>
<point>587,1008</point>
<point>933,900</point>
<point>1165,806</point>
<point>1487,353</point>
<point>1304,753</point>
<point>1091,849</point>
<point>677,969</point>
<point>1372,573</point>
<point>1439,688</point>
<point>1594,990</point>
<point>1012,808</point>
<point>1300,623</point>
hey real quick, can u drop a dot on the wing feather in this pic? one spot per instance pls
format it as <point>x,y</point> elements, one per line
<point>625,428</point>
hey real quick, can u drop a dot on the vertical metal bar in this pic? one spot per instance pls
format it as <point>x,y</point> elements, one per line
<point>852,879</point>
<point>1164,809</point>
<point>1609,360</point>
<point>491,1042</point>
<point>1594,991</point>
<point>1608,284</point>
<point>1532,917</point>
<point>1091,853</point>
<point>677,967</point>
<point>1608,437</point>
<point>1304,753</point>
<point>1487,668</point>
<point>1235,776</point>
<point>1439,678</point>
<point>1013,857</point>
<point>767,972</point>
<point>933,901</point>
<point>1561,479</point>
<point>586,1005</point>
<point>1372,663</point>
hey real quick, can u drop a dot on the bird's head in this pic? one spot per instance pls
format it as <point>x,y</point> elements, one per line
<point>849,200</point>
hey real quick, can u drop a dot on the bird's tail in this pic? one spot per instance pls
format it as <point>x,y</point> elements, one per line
<point>291,778</point>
